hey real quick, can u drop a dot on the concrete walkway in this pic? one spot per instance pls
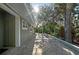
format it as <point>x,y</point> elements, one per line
<point>49,46</point>
<point>25,49</point>
<point>43,44</point>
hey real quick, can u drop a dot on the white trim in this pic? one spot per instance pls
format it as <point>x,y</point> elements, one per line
<point>4,7</point>
<point>17,31</point>
<point>17,24</point>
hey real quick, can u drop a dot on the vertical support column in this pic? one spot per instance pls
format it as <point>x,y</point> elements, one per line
<point>17,31</point>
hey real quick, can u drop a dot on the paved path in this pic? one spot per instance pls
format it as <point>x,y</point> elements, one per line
<point>49,46</point>
<point>25,49</point>
<point>43,45</point>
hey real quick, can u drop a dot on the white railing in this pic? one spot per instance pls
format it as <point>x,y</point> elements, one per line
<point>71,47</point>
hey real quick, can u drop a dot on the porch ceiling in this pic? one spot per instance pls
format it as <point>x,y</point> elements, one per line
<point>24,10</point>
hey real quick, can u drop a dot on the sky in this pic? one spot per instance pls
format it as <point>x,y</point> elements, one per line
<point>36,10</point>
<point>39,4</point>
<point>36,6</point>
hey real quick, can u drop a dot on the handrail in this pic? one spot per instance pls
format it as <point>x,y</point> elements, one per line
<point>73,48</point>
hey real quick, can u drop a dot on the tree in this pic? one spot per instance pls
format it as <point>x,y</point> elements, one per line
<point>66,11</point>
<point>68,22</point>
<point>45,11</point>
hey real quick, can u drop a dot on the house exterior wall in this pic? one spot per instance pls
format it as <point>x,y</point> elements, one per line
<point>26,36</point>
<point>22,37</point>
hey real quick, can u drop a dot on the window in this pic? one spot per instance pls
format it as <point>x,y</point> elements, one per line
<point>24,25</point>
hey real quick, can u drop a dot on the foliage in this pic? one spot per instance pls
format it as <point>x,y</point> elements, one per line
<point>45,11</point>
<point>77,32</point>
<point>61,31</point>
<point>49,28</point>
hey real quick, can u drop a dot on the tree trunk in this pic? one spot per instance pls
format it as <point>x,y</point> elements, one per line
<point>68,22</point>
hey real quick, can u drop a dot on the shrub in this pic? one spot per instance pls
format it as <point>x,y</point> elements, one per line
<point>61,31</point>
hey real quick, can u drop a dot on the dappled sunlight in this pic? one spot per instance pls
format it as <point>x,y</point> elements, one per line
<point>46,44</point>
<point>37,49</point>
<point>55,20</point>
<point>69,51</point>
<point>39,44</point>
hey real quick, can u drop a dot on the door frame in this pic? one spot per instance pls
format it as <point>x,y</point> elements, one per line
<point>17,23</point>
